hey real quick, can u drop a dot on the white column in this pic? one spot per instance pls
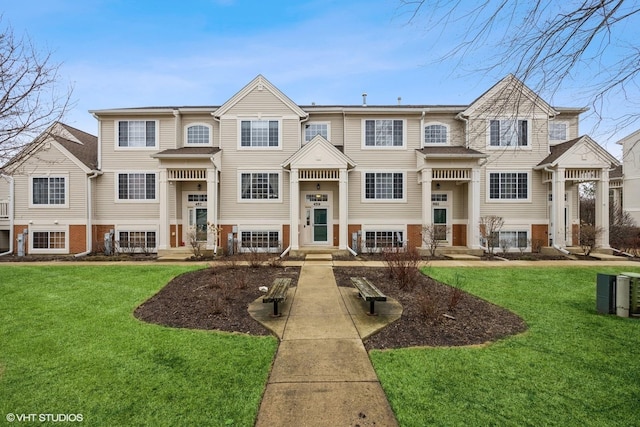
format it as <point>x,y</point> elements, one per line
<point>427,179</point>
<point>212,206</point>
<point>558,207</point>
<point>163,199</point>
<point>343,224</point>
<point>473,210</point>
<point>294,209</point>
<point>602,209</point>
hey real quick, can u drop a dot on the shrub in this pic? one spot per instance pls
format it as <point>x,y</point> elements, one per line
<point>402,266</point>
<point>490,227</point>
<point>589,235</point>
<point>433,235</point>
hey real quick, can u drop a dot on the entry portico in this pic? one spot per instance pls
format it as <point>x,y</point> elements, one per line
<point>318,163</point>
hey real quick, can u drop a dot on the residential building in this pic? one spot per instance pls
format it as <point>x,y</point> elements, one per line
<point>273,175</point>
<point>631,167</point>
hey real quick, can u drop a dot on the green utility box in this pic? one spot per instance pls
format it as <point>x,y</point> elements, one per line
<point>634,293</point>
<point>606,293</point>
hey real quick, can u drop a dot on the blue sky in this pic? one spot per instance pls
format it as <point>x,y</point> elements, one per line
<point>124,53</point>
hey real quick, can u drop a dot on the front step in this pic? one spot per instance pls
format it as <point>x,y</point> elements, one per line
<point>179,254</point>
<point>322,250</point>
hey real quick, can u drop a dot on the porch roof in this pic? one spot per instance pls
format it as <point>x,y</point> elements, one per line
<point>187,153</point>
<point>448,152</point>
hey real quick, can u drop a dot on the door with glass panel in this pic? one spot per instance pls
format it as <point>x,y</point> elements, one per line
<point>320,226</point>
<point>198,223</point>
<point>440,223</point>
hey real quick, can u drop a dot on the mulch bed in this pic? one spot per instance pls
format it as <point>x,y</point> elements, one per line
<point>217,298</point>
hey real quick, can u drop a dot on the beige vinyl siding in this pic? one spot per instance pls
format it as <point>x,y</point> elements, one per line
<point>456,127</point>
<point>259,101</point>
<point>109,210</point>
<point>51,162</point>
<point>337,126</point>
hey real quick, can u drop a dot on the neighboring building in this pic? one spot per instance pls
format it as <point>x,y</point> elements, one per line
<point>631,180</point>
<point>277,175</point>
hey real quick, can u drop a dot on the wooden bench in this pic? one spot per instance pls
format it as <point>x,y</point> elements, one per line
<point>277,293</point>
<point>368,292</point>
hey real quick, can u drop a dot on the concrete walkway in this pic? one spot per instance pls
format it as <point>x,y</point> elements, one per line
<point>322,375</point>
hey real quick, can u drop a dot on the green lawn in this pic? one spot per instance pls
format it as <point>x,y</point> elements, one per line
<point>572,368</point>
<point>69,344</point>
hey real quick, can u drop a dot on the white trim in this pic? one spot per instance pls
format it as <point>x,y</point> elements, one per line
<point>67,181</point>
<point>364,145</point>
<point>363,176</point>
<point>279,199</point>
<point>393,228</point>
<point>55,228</point>
<point>527,147</point>
<point>260,229</point>
<point>318,122</point>
<point>438,144</point>
<point>140,228</point>
<point>241,119</point>
<point>116,182</point>
<point>487,183</point>
<point>116,133</point>
<point>186,134</point>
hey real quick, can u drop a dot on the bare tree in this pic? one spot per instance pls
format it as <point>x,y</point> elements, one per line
<point>30,97</point>
<point>433,235</point>
<point>490,227</point>
<point>544,43</point>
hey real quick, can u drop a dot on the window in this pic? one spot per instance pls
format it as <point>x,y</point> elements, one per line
<point>260,240</point>
<point>375,240</point>
<point>133,240</point>
<point>512,239</point>
<point>383,133</point>
<point>315,128</point>
<point>259,133</point>
<point>136,186</point>
<point>384,185</point>
<point>508,185</point>
<point>508,133</point>
<point>260,185</point>
<point>198,135</point>
<point>197,198</point>
<point>436,134</point>
<point>48,191</point>
<point>439,197</point>
<point>558,131</point>
<point>137,133</point>
<point>49,240</point>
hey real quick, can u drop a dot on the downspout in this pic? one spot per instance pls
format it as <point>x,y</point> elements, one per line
<point>11,214</point>
<point>215,214</point>
<point>89,231</point>
<point>459,116</point>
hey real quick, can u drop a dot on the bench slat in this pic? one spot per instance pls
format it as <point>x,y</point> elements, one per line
<point>368,292</point>
<point>277,293</point>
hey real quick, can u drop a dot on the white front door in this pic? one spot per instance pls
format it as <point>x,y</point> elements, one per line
<point>317,219</point>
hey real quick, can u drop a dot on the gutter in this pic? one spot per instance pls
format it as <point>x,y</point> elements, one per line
<point>9,179</point>
<point>459,116</point>
<point>89,232</point>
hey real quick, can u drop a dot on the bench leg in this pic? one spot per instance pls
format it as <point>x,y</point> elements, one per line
<point>372,311</point>
<point>275,309</point>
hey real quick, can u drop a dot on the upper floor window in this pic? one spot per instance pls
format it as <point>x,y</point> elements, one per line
<point>260,133</point>
<point>198,135</point>
<point>137,133</point>
<point>508,185</point>
<point>316,128</point>
<point>558,131</point>
<point>48,191</point>
<point>508,133</point>
<point>436,134</point>
<point>384,186</point>
<point>383,133</point>
<point>260,185</point>
<point>136,186</point>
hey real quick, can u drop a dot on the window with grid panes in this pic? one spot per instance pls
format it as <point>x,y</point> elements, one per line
<point>508,133</point>
<point>260,239</point>
<point>137,133</point>
<point>198,135</point>
<point>48,240</point>
<point>315,128</point>
<point>383,133</point>
<point>260,185</point>
<point>259,133</point>
<point>48,191</point>
<point>508,185</point>
<point>136,186</point>
<point>435,134</point>
<point>384,185</point>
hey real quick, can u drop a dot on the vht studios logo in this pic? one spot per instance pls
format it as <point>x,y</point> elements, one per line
<point>51,418</point>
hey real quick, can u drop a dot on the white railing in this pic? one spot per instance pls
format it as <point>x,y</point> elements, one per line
<point>186,174</point>
<point>319,175</point>
<point>582,174</point>
<point>452,174</point>
<point>4,209</point>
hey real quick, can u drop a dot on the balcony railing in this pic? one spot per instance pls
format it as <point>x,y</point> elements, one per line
<point>4,209</point>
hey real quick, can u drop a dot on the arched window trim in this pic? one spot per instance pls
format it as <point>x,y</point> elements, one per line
<point>424,130</point>
<point>186,134</point>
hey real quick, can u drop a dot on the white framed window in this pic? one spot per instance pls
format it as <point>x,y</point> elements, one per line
<point>259,186</point>
<point>198,134</point>
<point>509,133</point>
<point>508,186</point>
<point>49,240</point>
<point>256,133</point>
<point>383,133</point>
<point>311,129</point>
<point>558,131</point>
<point>136,241</point>
<point>512,239</point>
<point>259,241</point>
<point>378,240</point>
<point>436,134</point>
<point>137,134</point>
<point>136,186</point>
<point>49,191</point>
<point>384,186</point>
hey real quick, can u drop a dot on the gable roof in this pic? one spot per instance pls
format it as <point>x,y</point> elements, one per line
<point>319,154</point>
<point>259,83</point>
<point>81,147</point>
<point>509,85</point>
<point>563,150</point>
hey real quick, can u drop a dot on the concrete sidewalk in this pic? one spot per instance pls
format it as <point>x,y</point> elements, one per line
<point>322,375</point>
